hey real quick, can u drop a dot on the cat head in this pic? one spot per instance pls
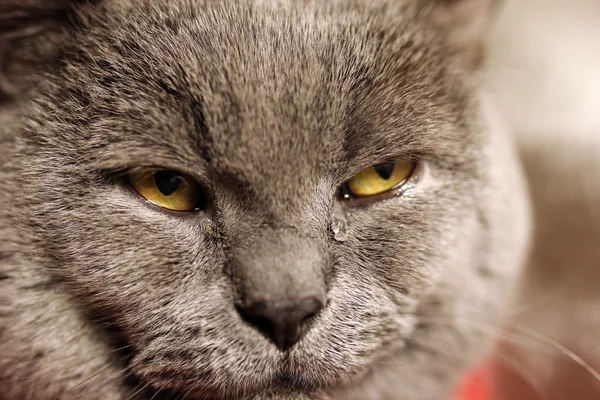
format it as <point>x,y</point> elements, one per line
<point>200,174</point>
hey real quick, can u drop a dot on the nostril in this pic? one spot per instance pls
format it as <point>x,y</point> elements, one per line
<point>262,324</point>
<point>308,317</point>
<point>282,323</point>
<point>311,316</point>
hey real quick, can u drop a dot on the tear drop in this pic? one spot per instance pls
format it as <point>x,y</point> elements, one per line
<point>339,224</point>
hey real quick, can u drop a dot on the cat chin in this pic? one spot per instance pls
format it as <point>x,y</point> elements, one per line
<point>280,381</point>
<point>293,376</point>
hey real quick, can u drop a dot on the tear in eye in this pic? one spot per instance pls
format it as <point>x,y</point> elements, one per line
<point>379,179</point>
<point>168,189</point>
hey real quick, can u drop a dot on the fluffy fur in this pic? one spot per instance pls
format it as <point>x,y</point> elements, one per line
<point>272,105</point>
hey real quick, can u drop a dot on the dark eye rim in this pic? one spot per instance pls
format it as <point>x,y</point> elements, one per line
<point>204,201</point>
<point>348,200</point>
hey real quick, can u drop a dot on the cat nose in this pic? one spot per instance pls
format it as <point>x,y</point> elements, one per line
<point>282,323</point>
<point>280,279</point>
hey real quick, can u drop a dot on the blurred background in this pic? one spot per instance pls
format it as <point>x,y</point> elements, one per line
<point>544,74</point>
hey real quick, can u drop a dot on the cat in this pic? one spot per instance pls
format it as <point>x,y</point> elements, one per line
<point>346,203</point>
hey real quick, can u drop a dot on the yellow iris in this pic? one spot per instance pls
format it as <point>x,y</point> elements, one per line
<point>167,189</point>
<point>380,178</point>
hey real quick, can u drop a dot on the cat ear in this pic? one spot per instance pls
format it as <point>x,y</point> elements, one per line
<point>465,23</point>
<point>22,22</point>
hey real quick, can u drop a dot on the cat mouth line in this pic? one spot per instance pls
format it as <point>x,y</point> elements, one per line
<point>283,381</point>
<point>196,386</point>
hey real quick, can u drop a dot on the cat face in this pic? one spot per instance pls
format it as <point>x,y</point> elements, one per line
<point>268,109</point>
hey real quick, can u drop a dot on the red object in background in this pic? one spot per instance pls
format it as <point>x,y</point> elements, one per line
<point>476,385</point>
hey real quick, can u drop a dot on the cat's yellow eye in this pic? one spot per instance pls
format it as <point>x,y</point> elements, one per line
<point>380,178</point>
<point>168,189</point>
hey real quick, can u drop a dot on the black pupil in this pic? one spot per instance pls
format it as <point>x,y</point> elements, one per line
<point>167,182</point>
<point>385,170</point>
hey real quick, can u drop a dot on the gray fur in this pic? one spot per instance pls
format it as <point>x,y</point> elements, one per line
<point>272,105</point>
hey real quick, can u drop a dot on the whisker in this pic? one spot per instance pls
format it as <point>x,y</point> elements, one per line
<point>517,366</point>
<point>559,347</point>
<point>54,371</point>
<point>95,375</point>
<point>519,338</point>
<point>155,394</point>
<point>102,384</point>
<point>186,393</point>
<point>170,396</point>
<point>136,392</point>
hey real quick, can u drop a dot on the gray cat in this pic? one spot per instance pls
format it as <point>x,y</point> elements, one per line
<point>216,199</point>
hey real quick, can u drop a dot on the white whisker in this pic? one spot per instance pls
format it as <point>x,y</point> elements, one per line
<point>559,347</point>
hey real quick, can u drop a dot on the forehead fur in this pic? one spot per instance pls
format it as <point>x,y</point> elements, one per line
<point>221,90</point>
<point>244,83</point>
